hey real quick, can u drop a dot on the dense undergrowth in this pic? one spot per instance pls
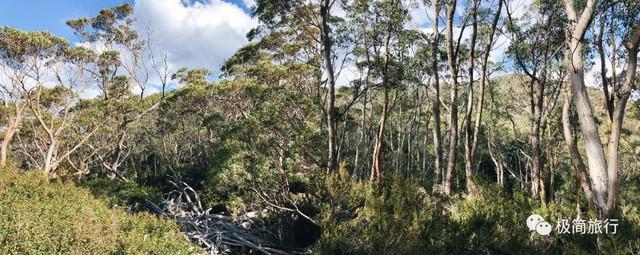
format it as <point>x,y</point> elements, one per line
<point>40,216</point>
<point>399,217</point>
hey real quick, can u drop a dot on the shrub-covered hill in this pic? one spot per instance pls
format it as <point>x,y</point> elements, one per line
<point>42,217</point>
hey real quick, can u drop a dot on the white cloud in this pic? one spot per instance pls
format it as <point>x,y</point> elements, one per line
<point>592,76</point>
<point>520,8</point>
<point>499,48</point>
<point>249,3</point>
<point>89,93</point>
<point>195,35</point>
<point>420,14</point>
<point>347,74</point>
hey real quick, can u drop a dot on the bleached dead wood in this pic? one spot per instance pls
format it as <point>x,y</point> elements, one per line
<point>216,233</point>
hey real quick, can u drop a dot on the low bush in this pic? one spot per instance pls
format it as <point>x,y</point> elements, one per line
<point>122,194</point>
<point>43,217</point>
<point>143,233</point>
<point>401,217</point>
<point>358,218</point>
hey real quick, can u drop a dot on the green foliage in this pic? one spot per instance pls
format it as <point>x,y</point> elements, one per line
<point>490,222</point>
<point>43,218</point>
<point>194,77</point>
<point>147,234</point>
<point>627,241</point>
<point>399,217</point>
<point>116,193</point>
<point>17,46</point>
<point>255,139</point>
<point>111,25</point>
<point>357,218</point>
<point>51,98</point>
<point>40,217</point>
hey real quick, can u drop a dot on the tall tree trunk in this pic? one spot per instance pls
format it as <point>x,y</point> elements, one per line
<point>376,166</point>
<point>574,64</point>
<point>363,115</point>
<point>572,145</point>
<point>453,109</point>
<point>484,78</point>
<point>468,139</point>
<point>377,149</point>
<point>618,116</point>
<point>537,182</point>
<point>537,106</point>
<point>437,136</point>
<point>595,153</point>
<point>331,84</point>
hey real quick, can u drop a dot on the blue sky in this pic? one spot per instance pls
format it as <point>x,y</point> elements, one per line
<point>192,33</point>
<point>48,14</point>
<point>51,15</point>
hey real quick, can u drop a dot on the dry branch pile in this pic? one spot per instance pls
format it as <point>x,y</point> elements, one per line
<point>217,233</point>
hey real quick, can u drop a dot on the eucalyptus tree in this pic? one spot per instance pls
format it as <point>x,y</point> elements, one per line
<point>453,54</point>
<point>468,139</point>
<point>315,21</point>
<point>327,58</point>
<point>120,48</point>
<point>15,63</point>
<point>536,51</point>
<point>50,75</point>
<point>435,83</point>
<point>488,44</point>
<point>603,168</point>
<point>383,23</point>
<point>625,41</point>
<point>120,57</point>
<point>30,57</point>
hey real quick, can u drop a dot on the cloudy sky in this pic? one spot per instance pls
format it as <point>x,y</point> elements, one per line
<point>194,33</point>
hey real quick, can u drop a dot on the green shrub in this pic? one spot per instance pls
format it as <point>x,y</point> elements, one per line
<point>490,222</point>
<point>400,217</point>
<point>117,193</point>
<point>42,217</point>
<point>143,233</point>
<point>358,218</point>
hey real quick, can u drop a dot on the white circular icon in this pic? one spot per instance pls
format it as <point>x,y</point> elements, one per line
<point>543,228</point>
<point>533,220</point>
